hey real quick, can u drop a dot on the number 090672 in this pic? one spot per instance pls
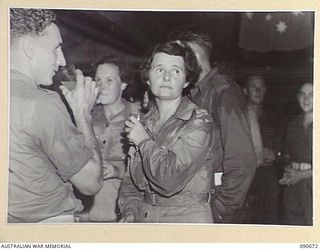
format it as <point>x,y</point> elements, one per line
<point>309,246</point>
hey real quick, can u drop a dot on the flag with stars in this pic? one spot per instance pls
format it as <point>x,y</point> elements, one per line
<point>282,31</point>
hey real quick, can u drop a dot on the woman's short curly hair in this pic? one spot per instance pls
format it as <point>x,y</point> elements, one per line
<point>118,61</point>
<point>175,48</point>
<point>29,21</point>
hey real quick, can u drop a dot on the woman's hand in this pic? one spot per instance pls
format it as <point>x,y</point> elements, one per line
<point>136,131</point>
<point>293,176</point>
<point>83,97</point>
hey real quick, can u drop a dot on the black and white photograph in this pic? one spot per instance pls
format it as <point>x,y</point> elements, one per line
<point>161,116</point>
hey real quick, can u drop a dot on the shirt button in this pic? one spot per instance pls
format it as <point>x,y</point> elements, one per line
<point>146,214</point>
<point>104,141</point>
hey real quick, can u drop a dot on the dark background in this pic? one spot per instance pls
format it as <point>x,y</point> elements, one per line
<point>88,34</point>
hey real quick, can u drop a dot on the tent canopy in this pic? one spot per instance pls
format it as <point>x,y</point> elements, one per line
<point>242,38</point>
<point>279,44</point>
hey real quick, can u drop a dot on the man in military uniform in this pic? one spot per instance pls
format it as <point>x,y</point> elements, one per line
<point>48,154</point>
<point>235,162</point>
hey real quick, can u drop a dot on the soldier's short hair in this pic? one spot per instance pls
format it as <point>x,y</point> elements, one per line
<point>29,21</point>
<point>188,35</point>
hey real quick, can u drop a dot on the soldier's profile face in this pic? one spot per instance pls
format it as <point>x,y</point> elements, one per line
<point>48,55</point>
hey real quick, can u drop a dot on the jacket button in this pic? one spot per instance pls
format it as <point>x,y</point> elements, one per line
<point>212,191</point>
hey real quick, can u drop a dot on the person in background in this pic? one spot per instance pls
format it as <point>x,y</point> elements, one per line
<point>169,176</point>
<point>48,154</point>
<point>108,117</point>
<point>263,195</point>
<point>233,149</point>
<point>297,179</point>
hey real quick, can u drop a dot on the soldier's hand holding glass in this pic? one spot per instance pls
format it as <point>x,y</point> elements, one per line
<point>83,97</point>
<point>68,76</point>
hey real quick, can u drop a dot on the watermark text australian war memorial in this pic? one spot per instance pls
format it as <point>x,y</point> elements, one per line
<point>35,246</point>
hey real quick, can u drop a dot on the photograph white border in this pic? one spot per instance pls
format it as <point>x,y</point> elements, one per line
<point>147,232</point>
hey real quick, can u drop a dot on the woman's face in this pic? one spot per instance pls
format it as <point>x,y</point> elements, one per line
<point>167,76</point>
<point>305,97</point>
<point>108,79</point>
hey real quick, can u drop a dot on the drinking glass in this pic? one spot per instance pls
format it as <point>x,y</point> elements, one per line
<point>138,117</point>
<point>68,76</point>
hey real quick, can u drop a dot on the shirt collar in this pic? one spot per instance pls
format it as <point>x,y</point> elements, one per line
<point>118,117</point>
<point>26,80</point>
<point>185,109</point>
<point>210,75</point>
<point>183,112</point>
<point>16,75</point>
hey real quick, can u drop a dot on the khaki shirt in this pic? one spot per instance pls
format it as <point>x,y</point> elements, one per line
<point>46,150</point>
<point>233,147</point>
<point>110,135</point>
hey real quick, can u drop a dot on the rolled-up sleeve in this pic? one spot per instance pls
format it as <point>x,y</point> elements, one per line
<point>60,140</point>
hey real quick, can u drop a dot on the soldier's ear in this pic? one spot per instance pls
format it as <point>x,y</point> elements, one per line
<point>28,46</point>
<point>148,82</point>
<point>124,86</point>
<point>186,84</point>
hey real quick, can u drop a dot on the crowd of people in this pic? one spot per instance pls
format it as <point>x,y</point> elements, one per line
<point>202,150</point>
